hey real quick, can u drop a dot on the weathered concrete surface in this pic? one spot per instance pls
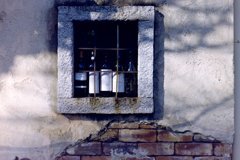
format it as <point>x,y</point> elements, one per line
<point>193,75</point>
<point>198,67</point>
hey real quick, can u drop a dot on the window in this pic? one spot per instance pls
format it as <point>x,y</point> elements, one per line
<point>116,43</point>
<point>100,26</point>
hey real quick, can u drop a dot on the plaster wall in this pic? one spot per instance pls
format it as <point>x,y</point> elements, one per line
<point>193,75</point>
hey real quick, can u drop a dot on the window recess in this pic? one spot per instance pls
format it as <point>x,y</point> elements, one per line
<point>90,36</point>
<point>113,42</point>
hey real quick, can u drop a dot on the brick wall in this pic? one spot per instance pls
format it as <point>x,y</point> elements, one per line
<point>133,141</point>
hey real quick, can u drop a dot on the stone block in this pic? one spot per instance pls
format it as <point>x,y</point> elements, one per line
<point>91,148</point>
<point>141,135</point>
<point>108,105</point>
<point>108,136</point>
<point>174,158</point>
<point>212,158</point>
<point>221,149</point>
<point>197,149</point>
<point>119,148</point>
<point>167,136</point>
<point>69,158</point>
<point>156,148</point>
<point>124,125</point>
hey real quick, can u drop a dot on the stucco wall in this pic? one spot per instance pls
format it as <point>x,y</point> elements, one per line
<point>193,75</point>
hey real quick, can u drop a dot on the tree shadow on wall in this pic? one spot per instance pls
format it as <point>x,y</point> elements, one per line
<point>175,34</point>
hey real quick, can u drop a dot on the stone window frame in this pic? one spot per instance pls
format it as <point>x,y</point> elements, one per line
<point>141,104</point>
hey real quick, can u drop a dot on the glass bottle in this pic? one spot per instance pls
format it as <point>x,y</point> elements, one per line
<point>106,78</point>
<point>81,79</point>
<point>131,78</point>
<point>93,78</point>
<point>118,78</point>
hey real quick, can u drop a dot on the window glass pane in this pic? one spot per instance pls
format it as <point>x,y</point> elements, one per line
<point>128,34</point>
<point>106,35</point>
<point>84,33</point>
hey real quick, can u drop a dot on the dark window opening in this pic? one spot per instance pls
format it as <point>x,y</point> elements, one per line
<point>105,58</point>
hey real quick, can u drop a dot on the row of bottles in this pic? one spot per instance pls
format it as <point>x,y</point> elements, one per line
<point>108,82</point>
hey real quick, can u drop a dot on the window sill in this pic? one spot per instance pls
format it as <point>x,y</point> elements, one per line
<point>111,105</point>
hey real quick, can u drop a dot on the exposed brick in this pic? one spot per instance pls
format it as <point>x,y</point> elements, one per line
<point>202,138</point>
<point>200,149</point>
<point>212,158</point>
<point>166,136</point>
<point>124,125</point>
<point>221,149</point>
<point>156,148</point>
<point>69,158</point>
<point>108,136</point>
<point>119,148</point>
<point>140,135</point>
<point>91,148</point>
<point>134,158</point>
<point>174,158</point>
<point>97,158</point>
<point>147,126</point>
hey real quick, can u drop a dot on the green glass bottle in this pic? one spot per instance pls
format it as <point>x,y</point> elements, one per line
<point>106,78</point>
<point>80,79</point>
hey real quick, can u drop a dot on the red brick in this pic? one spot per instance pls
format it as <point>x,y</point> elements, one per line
<point>97,158</point>
<point>156,148</point>
<point>166,136</point>
<point>134,158</point>
<point>108,136</point>
<point>119,148</point>
<point>124,125</point>
<point>69,158</point>
<point>91,148</point>
<point>212,158</point>
<point>174,158</point>
<point>140,135</point>
<point>221,149</point>
<point>200,149</point>
<point>147,126</point>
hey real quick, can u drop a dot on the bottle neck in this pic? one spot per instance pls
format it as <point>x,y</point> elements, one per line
<point>130,67</point>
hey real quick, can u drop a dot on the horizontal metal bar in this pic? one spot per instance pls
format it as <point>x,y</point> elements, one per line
<point>107,48</point>
<point>112,71</point>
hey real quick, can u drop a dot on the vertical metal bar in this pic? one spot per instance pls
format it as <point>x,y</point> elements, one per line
<point>95,46</point>
<point>117,58</point>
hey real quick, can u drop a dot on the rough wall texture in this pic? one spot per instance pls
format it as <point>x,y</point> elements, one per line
<point>131,141</point>
<point>193,75</point>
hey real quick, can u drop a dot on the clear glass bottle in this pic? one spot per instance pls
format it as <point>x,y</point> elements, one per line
<point>131,78</point>
<point>93,78</point>
<point>118,78</point>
